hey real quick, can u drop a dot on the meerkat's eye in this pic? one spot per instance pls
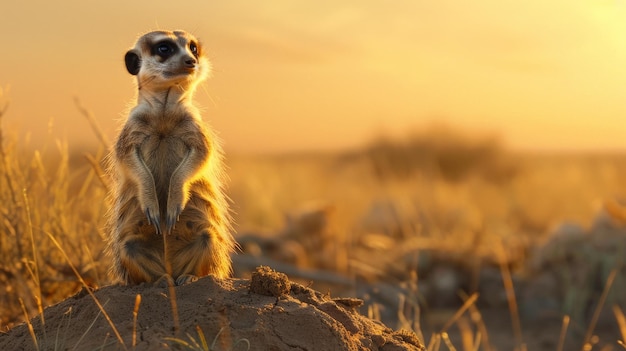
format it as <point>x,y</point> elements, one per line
<point>164,49</point>
<point>194,48</point>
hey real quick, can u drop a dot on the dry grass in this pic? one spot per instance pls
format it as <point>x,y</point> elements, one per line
<point>44,196</point>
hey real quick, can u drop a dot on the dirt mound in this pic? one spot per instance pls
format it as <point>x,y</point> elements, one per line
<point>267,312</point>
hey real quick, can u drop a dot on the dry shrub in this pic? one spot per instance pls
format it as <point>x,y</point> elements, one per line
<point>41,195</point>
<point>441,152</point>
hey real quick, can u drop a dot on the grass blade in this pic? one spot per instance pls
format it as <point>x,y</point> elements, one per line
<point>598,310</point>
<point>621,322</point>
<point>135,313</point>
<point>31,330</point>
<point>469,302</point>
<point>563,333</point>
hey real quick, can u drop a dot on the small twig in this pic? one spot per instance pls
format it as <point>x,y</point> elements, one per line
<point>621,322</point>
<point>469,302</point>
<point>446,340</point>
<point>135,313</point>
<point>596,313</point>
<point>434,343</point>
<point>29,324</point>
<point>563,333</point>
<point>477,318</point>
<point>510,296</point>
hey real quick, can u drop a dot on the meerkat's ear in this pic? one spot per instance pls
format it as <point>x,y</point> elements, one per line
<point>133,62</point>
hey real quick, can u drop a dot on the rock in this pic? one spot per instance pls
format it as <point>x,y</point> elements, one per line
<point>266,281</point>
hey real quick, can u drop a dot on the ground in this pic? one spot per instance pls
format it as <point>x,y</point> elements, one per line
<point>267,312</point>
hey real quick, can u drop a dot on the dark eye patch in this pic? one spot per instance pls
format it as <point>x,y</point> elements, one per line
<point>164,48</point>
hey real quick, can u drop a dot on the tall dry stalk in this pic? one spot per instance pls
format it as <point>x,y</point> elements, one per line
<point>510,296</point>
<point>135,314</point>
<point>621,322</point>
<point>31,330</point>
<point>564,327</point>
<point>36,278</point>
<point>598,309</point>
<point>466,305</point>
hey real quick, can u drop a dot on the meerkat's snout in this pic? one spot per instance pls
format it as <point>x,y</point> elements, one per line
<point>190,62</point>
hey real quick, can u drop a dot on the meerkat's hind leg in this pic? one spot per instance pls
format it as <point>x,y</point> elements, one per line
<point>202,255</point>
<point>141,260</point>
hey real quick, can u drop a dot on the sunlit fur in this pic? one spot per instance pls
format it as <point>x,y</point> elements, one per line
<point>167,171</point>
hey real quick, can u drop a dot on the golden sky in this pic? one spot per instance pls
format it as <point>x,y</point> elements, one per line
<point>295,75</point>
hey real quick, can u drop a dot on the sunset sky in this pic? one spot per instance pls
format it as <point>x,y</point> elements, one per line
<point>294,75</point>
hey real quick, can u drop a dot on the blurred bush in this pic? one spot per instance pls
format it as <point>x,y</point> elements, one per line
<point>439,151</point>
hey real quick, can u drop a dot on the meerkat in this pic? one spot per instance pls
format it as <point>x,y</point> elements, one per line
<point>170,217</point>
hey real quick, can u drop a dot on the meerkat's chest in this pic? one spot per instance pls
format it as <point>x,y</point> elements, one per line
<point>165,146</point>
<point>162,140</point>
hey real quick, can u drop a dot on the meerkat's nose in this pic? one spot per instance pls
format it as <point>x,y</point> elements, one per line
<point>190,62</point>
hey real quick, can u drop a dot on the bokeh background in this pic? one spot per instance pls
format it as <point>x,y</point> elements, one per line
<point>327,75</point>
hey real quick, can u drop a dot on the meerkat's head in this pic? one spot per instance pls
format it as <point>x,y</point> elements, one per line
<point>166,59</point>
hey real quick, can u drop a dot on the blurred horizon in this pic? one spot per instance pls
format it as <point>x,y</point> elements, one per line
<point>323,76</point>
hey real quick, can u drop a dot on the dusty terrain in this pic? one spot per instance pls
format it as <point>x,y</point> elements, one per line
<point>267,312</point>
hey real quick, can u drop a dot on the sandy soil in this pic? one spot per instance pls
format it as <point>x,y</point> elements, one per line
<point>267,312</point>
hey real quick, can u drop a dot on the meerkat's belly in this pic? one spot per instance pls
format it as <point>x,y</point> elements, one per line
<point>163,154</point>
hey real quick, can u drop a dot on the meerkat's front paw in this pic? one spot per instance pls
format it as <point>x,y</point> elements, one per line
<point>175,205</point>
<point>154,218</point>
<point>173,213</point>
<point>151,210</point>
